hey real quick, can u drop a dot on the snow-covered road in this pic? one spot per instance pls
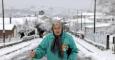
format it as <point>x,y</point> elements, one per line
<point>23,53</point>
<point>25,56</point>
<point>9,53</point>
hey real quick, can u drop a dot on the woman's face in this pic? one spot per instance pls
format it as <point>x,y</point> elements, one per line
<point>57,28</point>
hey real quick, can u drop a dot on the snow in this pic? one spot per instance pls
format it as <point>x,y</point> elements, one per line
<point>91,14</point>
<point>40,16</point>
<point>95,43</point>
<point>101,17</point>
<point>86,50</point>
<point>57,18</point>
<point>97,17</point>
<point>79,20</point>
<point>7,26</point>
<point>88,46</point>
<point>11,42</point>
<point>80,31</point>
<point>18,49</point>
<point>17,20</point>
<point>91,48</point>
<point>92,52</point>
<point>30,18</point>
<point>99,25</point>
<point>5,20</point>
<point>97,54</point>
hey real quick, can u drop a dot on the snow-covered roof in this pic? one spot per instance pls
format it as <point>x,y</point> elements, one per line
<point>90,13</point>
<point>6,20</point>
<point>98,17</point>
<point>19,20</point>
<point>7,27</point>
<point>57,18</point>
<point>79,20</point>
<point>102,17</point>
<point>98,25</point>
<point>40,16</point>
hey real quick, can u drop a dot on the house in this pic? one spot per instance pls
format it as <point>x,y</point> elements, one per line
<point>10,30</point>
<point>88,14</point>
<point>103,18</point>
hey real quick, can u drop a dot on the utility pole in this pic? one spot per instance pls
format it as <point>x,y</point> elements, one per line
<point>77,16</point>
<point>3,22</point>
<point>94,15</point>
<point>81,21</point>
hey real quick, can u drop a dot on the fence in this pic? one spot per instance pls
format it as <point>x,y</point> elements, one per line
<point>98,37</point>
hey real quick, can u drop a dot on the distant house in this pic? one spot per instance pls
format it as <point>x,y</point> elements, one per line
<point>104,19</point>
<point>88,14</point>
<point>10,30</point>
<point>100,27</point>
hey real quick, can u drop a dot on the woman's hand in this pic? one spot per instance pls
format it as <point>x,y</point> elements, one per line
<point>64,47</point>
<point>32,53</point>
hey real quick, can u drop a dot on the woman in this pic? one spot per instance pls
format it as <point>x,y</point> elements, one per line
<point>57,45</point>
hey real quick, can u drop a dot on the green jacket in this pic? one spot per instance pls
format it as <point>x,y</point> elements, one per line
<point>45,48</point>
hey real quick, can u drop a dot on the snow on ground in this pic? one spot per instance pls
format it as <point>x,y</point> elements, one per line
<point>23,49</point>
<point>86,51</point>
<point>11,42</point>
<point>18,49</point>
<point>93,52</point>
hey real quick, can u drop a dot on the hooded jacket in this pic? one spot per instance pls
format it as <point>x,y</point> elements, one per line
<point>44,49</point>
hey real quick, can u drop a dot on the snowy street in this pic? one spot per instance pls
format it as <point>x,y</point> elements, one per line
<point>21,51</point>
<point>14,51</point>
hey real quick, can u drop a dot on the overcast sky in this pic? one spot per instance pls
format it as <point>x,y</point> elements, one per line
<point>80,4</point>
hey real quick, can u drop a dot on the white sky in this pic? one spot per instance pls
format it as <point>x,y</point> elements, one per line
<point>78,4</point>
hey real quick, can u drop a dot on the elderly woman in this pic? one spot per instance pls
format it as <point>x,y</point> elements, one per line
<point>57,45</point>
